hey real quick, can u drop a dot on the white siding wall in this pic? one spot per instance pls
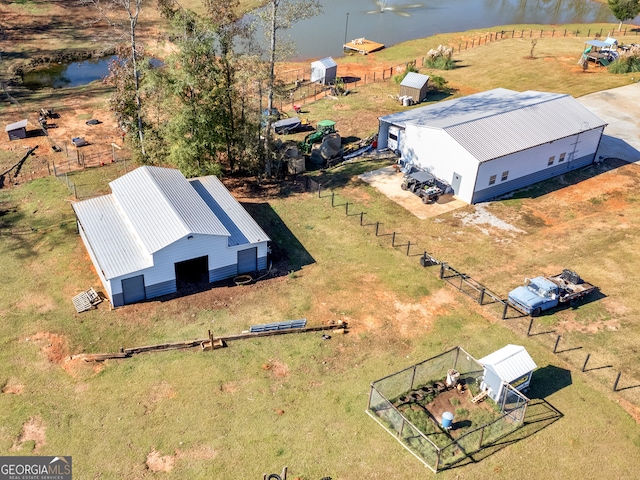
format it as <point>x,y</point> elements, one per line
<point>533,160</point>
<point>434,150</point>
<point>164,260</point>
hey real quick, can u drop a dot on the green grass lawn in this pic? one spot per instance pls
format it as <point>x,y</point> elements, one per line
<point>298,400</point>
<point>264,403</point>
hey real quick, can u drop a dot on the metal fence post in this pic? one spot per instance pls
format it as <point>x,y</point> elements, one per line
<point>529,329</point>
<point>504,310</point>
<point>319,186</point>
<point>377,225</point>
<point>481,295</point>
<point>408,247</point>
<point>441,271</point>
<point>555,347</point>
<point>584,366</point>
<point>615,384</point>
<point>393,239</point>
<point>332,197</point>
<point>361,214</point>
<point>346,209</point>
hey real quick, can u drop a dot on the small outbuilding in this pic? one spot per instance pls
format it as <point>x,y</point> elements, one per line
<point>492,143</point>
<point>158,233</point>
<point>17,130</point>
<point>324,71</point>
<point>414,85</point>
<point>510,365</point>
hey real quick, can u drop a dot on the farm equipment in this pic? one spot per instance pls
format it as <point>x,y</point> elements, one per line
<point>423,184</point>
<point>325,127</point>
<point>546,292</point>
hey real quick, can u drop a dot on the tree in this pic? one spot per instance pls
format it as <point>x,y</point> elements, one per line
<point>280,15</point>
<point>624,10</point>
<point>111,12</point>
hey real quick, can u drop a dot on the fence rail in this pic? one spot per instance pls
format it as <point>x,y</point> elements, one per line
<point>520,323</point>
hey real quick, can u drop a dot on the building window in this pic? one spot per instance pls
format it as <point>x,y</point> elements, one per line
<point>492,180</point>
<point>551,160</point>
<point>505,175</point>
<point>561,158</point>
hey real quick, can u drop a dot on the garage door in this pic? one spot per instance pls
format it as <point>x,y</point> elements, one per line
<point>248,260</point>
<point>133,289</point>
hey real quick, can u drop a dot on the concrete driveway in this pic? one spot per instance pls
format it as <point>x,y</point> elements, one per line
<point>387,180</point>
<point>620,108</point>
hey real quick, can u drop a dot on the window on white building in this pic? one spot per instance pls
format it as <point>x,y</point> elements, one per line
<point>505,175</point>
<point>551,160</point>
<point>561,158</point>
<point>492,179</point>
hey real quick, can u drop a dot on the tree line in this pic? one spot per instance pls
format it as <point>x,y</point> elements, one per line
<point>202,108</point>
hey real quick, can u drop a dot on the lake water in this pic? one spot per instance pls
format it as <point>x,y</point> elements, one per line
<point>394,21</point>
<point>68,75</point>
<point>384,21</point>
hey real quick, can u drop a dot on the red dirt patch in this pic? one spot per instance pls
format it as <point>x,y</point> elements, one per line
<point>53,346</point>
<point>32,430</point>
<point>630,409</point>
<point>75,365</point>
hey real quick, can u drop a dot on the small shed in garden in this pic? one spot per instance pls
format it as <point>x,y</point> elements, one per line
<point>511,364</point>
<point>414,85</point>
<point>324,70</point>
<point>17,130</point>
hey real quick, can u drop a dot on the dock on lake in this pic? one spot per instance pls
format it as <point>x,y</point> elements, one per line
<point>363,46</point>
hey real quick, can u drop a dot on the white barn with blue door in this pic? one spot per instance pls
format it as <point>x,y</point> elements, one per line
<point>492,143</point>
<point>157,230</point>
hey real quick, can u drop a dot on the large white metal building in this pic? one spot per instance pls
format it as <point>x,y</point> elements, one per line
<point>491,143</point>
<point>158,231</point>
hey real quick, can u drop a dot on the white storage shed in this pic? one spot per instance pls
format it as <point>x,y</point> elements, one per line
<point>511,364</point>
<point>324,70</point>
<point>158,231</point>
<point>492,143</point>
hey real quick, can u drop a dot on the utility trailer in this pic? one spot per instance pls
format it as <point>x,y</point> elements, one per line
<point>546,292</point>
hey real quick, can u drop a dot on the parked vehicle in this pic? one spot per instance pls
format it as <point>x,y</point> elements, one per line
<point>423,184</point>
<point>545,292</point>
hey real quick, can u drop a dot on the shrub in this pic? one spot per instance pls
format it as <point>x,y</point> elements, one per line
<point>411,67</point>
<point>627,62</point>
<point>441,58</point>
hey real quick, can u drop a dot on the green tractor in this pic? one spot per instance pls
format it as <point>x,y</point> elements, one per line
<point>325,127</point>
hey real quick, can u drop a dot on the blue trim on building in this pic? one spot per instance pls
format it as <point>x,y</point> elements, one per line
<point>162,288</point>
<point>223,272</point>
<point>528,180</point>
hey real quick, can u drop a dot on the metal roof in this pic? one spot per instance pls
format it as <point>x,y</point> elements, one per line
<point>509,363</point>
<point>16,125</point>
<point>114,243</point>
<point>414,80</point>
<point>152,207</point>
<point>241,226</point>
<point>162,207</point>
<point>499,122</point>
<point>326,62</point>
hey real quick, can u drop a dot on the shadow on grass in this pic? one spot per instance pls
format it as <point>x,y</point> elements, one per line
<point>540,414</point>
<point>286,251</point>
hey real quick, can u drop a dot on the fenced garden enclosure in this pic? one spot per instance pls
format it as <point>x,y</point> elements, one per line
<point>410,404</point>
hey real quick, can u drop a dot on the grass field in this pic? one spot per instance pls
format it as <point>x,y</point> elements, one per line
<point>298,400</point>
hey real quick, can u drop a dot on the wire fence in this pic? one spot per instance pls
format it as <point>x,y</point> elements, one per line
<point>302,91</point>
<point>575,355</point>
<point>404,403</point>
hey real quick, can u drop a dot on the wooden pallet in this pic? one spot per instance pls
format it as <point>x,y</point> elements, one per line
<point>480,397</point>
<point>86,300</point>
